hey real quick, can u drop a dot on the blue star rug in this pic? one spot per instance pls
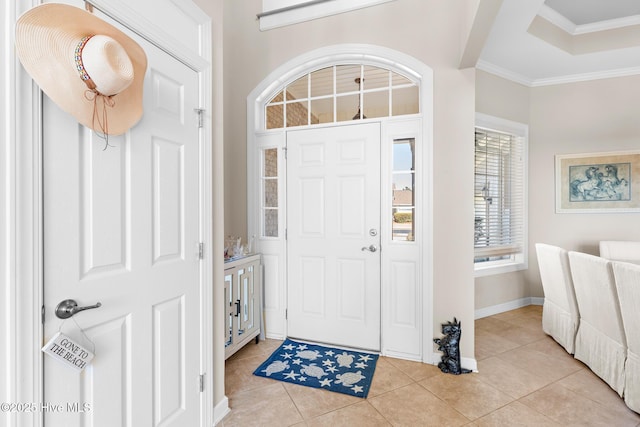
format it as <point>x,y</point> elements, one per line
<point>330,368</point>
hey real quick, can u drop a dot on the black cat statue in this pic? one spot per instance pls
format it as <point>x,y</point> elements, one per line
<point>449,345</point>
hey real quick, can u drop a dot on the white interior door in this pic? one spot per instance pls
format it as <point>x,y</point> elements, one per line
<point>121,228</point>
<point>333,216</point>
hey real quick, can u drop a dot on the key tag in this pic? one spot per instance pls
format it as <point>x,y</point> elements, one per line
<point>68,351</point>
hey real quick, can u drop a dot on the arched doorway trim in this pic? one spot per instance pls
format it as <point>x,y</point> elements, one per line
<point>259,139</point>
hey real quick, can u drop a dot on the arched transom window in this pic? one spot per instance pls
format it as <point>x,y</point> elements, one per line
<point>340,93</point>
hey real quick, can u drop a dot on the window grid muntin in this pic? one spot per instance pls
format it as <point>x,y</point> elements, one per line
<point>391,86</point>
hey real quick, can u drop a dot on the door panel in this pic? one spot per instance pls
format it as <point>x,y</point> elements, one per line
<point>333,190</point>
<point>121,227</point>
<point>168,184</point>
<point>105,230</point>
<point>169,369</point>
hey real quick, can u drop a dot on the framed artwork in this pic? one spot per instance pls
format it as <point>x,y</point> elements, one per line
<point>598,182</point>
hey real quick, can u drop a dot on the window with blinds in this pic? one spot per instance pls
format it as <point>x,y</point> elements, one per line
<point>499,197</point>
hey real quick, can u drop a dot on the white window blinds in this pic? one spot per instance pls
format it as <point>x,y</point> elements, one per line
<point>499,195</point>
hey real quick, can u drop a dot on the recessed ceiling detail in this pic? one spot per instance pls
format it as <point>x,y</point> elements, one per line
<point>580,44</point>
<point>568,25</point>
<point>540,42</point>
<point>582,12</point>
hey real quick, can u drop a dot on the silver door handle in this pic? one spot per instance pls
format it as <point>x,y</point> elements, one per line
<point>69,307</point>
<point>370,248</point>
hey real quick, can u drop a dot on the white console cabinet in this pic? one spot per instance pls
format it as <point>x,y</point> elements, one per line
<point>243,301</point>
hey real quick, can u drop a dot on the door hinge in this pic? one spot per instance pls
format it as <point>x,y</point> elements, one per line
<point>200,113</point>
<point>201,250</point>
<point>286,233</point>
<point>42,311</point>
<point>286,314</point>
<point>202,382</point>
<point>284,150</point>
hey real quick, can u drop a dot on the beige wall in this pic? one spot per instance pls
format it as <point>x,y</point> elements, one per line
<point>429,30</point>
<point>586,117</point>
<point>502,98</point>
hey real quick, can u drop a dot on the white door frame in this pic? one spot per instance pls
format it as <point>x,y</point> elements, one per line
<point>258,138</point>
<point>21,215</point>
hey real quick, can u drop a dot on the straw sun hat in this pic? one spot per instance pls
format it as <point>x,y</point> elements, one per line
<point>89,68</point>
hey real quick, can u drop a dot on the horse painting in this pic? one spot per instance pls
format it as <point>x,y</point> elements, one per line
<point>599,182</point>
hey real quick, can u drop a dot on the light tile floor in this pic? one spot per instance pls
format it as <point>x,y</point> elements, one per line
<point>524,379</point>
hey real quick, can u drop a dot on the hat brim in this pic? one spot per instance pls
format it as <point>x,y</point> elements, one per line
<point>46,37</point>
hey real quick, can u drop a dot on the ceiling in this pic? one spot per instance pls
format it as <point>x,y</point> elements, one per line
<point>543,42</point>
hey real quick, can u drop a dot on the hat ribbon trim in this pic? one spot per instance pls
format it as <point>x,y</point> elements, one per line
<point>100,118</point>
<point>93,95</point>
<point>84,76</point>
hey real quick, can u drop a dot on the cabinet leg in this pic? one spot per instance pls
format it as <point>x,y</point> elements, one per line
<point>257,339</point>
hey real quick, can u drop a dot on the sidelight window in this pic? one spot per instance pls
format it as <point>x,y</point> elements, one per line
<point>270,208</point>
<point>403,187</point>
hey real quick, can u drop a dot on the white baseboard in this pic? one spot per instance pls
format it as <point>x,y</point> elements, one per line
<point>272,336</point>
<point>537,300</point>
<point>221,410</point>
<point>404,356</point>
<point>507,306</point>
<point>469,363</point>
<point>472,363</point>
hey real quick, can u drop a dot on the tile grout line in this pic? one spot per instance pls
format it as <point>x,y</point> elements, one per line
<point>536,347</point>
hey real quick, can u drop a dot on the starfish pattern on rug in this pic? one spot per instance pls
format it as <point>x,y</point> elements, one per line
<point>312,365</point>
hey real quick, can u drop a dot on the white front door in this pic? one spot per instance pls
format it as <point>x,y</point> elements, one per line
<point>333,216</point>
<point>121,227</point>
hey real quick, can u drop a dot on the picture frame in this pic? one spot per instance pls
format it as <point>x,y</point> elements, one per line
<point>606,182</point>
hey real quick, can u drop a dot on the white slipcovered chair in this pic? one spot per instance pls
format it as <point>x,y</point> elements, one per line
<point>628,284</point>
<point>600,342</point>
<point>618,250</point>
<point>560,316</point>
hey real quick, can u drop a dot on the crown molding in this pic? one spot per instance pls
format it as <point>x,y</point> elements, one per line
<point>610,24</point>
<point>568,26</point>
<point>572,78</point>
<point>583,77</point>
<point>557,19</point>
<point>504,73</point>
